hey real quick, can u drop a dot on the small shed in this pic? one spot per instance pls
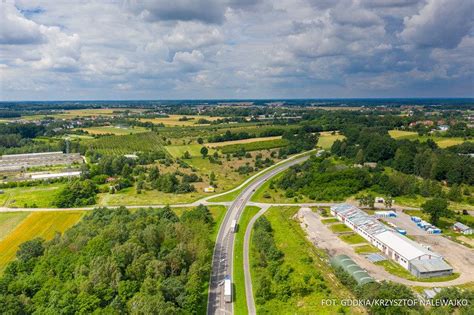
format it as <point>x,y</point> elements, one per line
<point>209,189</point>
<point>462,228</point>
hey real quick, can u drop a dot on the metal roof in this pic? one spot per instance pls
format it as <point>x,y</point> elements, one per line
<point>461,226</point>
<point>430,265</point>
<point>359,218</point>
<point>349,266</point>
<point>404,246</point>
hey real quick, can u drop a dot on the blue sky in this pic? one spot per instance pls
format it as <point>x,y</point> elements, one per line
<point>181,49</point>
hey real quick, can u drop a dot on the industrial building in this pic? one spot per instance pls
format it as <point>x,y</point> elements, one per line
<point>412,256</point>
<point>18,162</point>
<point>348,265</point>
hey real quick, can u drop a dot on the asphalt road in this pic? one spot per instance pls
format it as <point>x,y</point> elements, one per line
<point>222,260</point>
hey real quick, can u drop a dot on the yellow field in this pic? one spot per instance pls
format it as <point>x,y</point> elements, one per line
<point>401,134</point>
<point>173,120</point>
<point>37,224</point>
<point>442,142</point>
<point>9,220</point>
<point>326,139</point>
<point>221,144</point>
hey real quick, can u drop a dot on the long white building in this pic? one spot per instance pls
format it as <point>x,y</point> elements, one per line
<point>417,259</point>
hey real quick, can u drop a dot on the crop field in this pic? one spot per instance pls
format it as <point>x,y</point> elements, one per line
<point>254,146</point>
<point>30,197</point>
<point>304,259</point>
<point>442,142</point>
<point>37,224</point>
<point>118,145</point>
<point>326,139</point>
<point>174,120</point>
<point>194,150</point>
<point>114,130</point>
<point>9,220</point>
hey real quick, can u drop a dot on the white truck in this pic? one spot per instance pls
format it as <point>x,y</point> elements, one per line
<point>227,289</point>
<point>233,226</point>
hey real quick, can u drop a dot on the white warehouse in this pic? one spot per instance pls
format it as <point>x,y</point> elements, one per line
<point>417,259</point>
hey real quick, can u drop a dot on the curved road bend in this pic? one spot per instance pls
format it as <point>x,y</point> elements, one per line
<point>222,260</point>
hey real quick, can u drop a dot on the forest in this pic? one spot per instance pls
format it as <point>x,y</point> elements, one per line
<point>115,261</point>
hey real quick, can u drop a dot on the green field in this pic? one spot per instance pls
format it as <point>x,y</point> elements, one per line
<point>339,228</point>
<point>238,276</point>
<point>129,196</point>
<point>177,151</point>
<point>330,220</point>
<point>365,249</point>
<point>114,130</point>
<point>352,238</point>
<point>9,220</point>
<point>326,139</point>
<point>30,197</point>
<point>36,224</point>
<point>303,258</point>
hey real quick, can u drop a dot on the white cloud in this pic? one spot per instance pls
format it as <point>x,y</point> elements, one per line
<point>440,23</point>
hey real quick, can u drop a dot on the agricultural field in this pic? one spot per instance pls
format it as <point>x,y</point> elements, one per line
<point>37,224</point>
<point>303,259</point>
<point>442,142</point>
<point>114,130</point>
<point>92,112</point>
<point>9,220</point>
<point>30,197</point>
<point>242,141</point>
<point>127,144</point>
<point>174,120</point>
<point>326,139</point>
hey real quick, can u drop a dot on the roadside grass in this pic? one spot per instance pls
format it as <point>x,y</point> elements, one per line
<point>276,195</point>
<point>397,270</point>
<point>326,139</point>
<point>329,221</point>
<point>37,224</point>
<point>339,228</point>
<point>230,196</point>
<point>31,197</point>
<point>9,220</point>
<point>352,238</point>
<point>102,130</point>
<point>365,249</point>
<point>177,151</point>
<point>240,300</point>
<point>303,258</point>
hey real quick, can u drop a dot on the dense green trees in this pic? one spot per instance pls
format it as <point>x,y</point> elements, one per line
<point>76,194</point>
<point>436,208</point>
<point>115,262</point>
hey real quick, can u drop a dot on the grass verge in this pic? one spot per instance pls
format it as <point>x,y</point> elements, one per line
<point>240,300</point>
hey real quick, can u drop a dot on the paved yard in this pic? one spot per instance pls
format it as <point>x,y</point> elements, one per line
<point>320,235</point>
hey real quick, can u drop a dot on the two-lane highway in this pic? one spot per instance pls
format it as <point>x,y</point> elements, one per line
<point>222,260</point>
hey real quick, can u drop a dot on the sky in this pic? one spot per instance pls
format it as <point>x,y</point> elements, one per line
<point>214,49</point>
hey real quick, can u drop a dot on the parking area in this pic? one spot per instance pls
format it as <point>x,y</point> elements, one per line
<point>403,220</point>
<point>459,257</point>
